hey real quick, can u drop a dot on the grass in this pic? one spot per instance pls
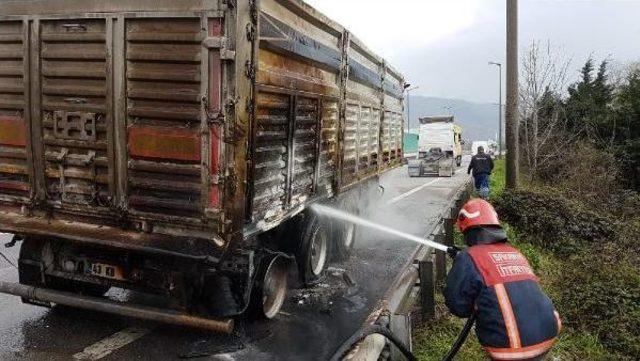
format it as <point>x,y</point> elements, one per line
<point>497,180</point>
<point>432,340</point>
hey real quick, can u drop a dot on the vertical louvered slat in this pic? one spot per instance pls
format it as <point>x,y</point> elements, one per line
<point>305,138</point>
<point>76,118</point>
<point>15,180</point>
<point>164,82</point>
<point>270,154</point>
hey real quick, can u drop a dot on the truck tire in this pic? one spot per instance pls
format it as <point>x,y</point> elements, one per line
<point>313,250</point>
<point>270,288</point>
<point>344,237</point>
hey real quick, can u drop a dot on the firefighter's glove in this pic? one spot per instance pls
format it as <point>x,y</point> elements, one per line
<point>453,251</point>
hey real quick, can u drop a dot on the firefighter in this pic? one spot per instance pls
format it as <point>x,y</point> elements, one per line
<point>515,320</point>
<point>481,165</point>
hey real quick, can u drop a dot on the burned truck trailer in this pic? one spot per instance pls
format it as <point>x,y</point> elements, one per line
<point>172,147</point>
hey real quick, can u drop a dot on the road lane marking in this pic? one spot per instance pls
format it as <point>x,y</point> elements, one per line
<point>414,190</point>
<point>106,346</point>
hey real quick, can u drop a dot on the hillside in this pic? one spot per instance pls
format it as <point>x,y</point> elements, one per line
<point>479,120</point>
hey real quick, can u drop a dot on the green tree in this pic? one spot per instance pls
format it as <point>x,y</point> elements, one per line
<point>588,105</point>
<point>627,128</point>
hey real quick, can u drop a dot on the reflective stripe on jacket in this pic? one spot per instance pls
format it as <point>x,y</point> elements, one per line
<point>515,319</point>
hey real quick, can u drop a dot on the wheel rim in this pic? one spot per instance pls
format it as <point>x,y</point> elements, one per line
<point>274,287</point>
<point>349,235</point>
<point>318,252</point>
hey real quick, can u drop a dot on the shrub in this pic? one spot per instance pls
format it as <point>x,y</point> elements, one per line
<point>553,222</point>
<point>594,274</point>
<point>602,296</point>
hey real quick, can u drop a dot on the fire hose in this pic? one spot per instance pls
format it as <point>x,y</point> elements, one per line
<point>367,330</point>
<point>462,337</point>
<point>363,332</point>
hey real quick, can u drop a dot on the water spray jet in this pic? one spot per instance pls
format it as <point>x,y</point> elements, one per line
<point>347,217</point>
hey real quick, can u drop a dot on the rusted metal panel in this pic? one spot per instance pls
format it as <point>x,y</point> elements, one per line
<point>215,114</point>
<point>46,7</point>
<point>294,145</point>
<point>108,113</point>
<point>270,153</point>
<point>164,143</point>
<point>327,167</point>
<point>163,88</point>
<point>15,173</point>
<point>363,116</point>
<point>394,118</point>
<point>305,143</point>
<point>14,132</point>
<point>75,123</point>
<point>304,56</point>
<point>350,143</point>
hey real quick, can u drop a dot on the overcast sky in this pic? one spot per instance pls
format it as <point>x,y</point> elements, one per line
<point>443,46</point>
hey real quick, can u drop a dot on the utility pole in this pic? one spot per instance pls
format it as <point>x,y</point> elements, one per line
<point>499,106</point>
<point>409,89</point>
<point>512,95</point>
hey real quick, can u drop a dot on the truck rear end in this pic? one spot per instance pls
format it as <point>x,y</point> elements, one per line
<point>439,147</point>
<point>171,147</point>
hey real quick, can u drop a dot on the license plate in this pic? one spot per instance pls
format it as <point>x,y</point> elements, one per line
<point>107,271</point>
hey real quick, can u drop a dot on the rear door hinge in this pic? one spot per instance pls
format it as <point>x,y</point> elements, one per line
<point>250,70</point>
<point>251,32</point>
<point>250,106</point>
<point>253,11</point>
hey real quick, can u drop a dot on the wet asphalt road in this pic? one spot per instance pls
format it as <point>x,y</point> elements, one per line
<point>313,322</point>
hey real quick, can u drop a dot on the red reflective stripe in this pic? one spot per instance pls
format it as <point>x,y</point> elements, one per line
<point>558,320</point>
<point>508,316</point>
<point>13,131</point>
<point>165,143</point>
<point>520,353</point>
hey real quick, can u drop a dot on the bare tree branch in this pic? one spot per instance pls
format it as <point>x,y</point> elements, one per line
<point>543,120</point>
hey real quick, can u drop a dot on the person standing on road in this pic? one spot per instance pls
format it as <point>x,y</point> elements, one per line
<point>481,165</point>
<point>515,320</point>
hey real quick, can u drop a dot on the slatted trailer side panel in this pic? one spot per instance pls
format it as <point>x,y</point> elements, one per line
<point>320,125</point>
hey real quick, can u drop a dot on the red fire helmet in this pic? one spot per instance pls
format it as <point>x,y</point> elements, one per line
<point>476,213</point>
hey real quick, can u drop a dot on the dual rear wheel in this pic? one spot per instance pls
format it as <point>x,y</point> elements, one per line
<point>323,239</point>
<point>272,291</point>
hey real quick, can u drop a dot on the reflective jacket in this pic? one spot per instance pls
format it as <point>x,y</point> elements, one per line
<point>515,320</point>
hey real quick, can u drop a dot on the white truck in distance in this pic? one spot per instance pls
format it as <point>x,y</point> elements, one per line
<point>439,147</point>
